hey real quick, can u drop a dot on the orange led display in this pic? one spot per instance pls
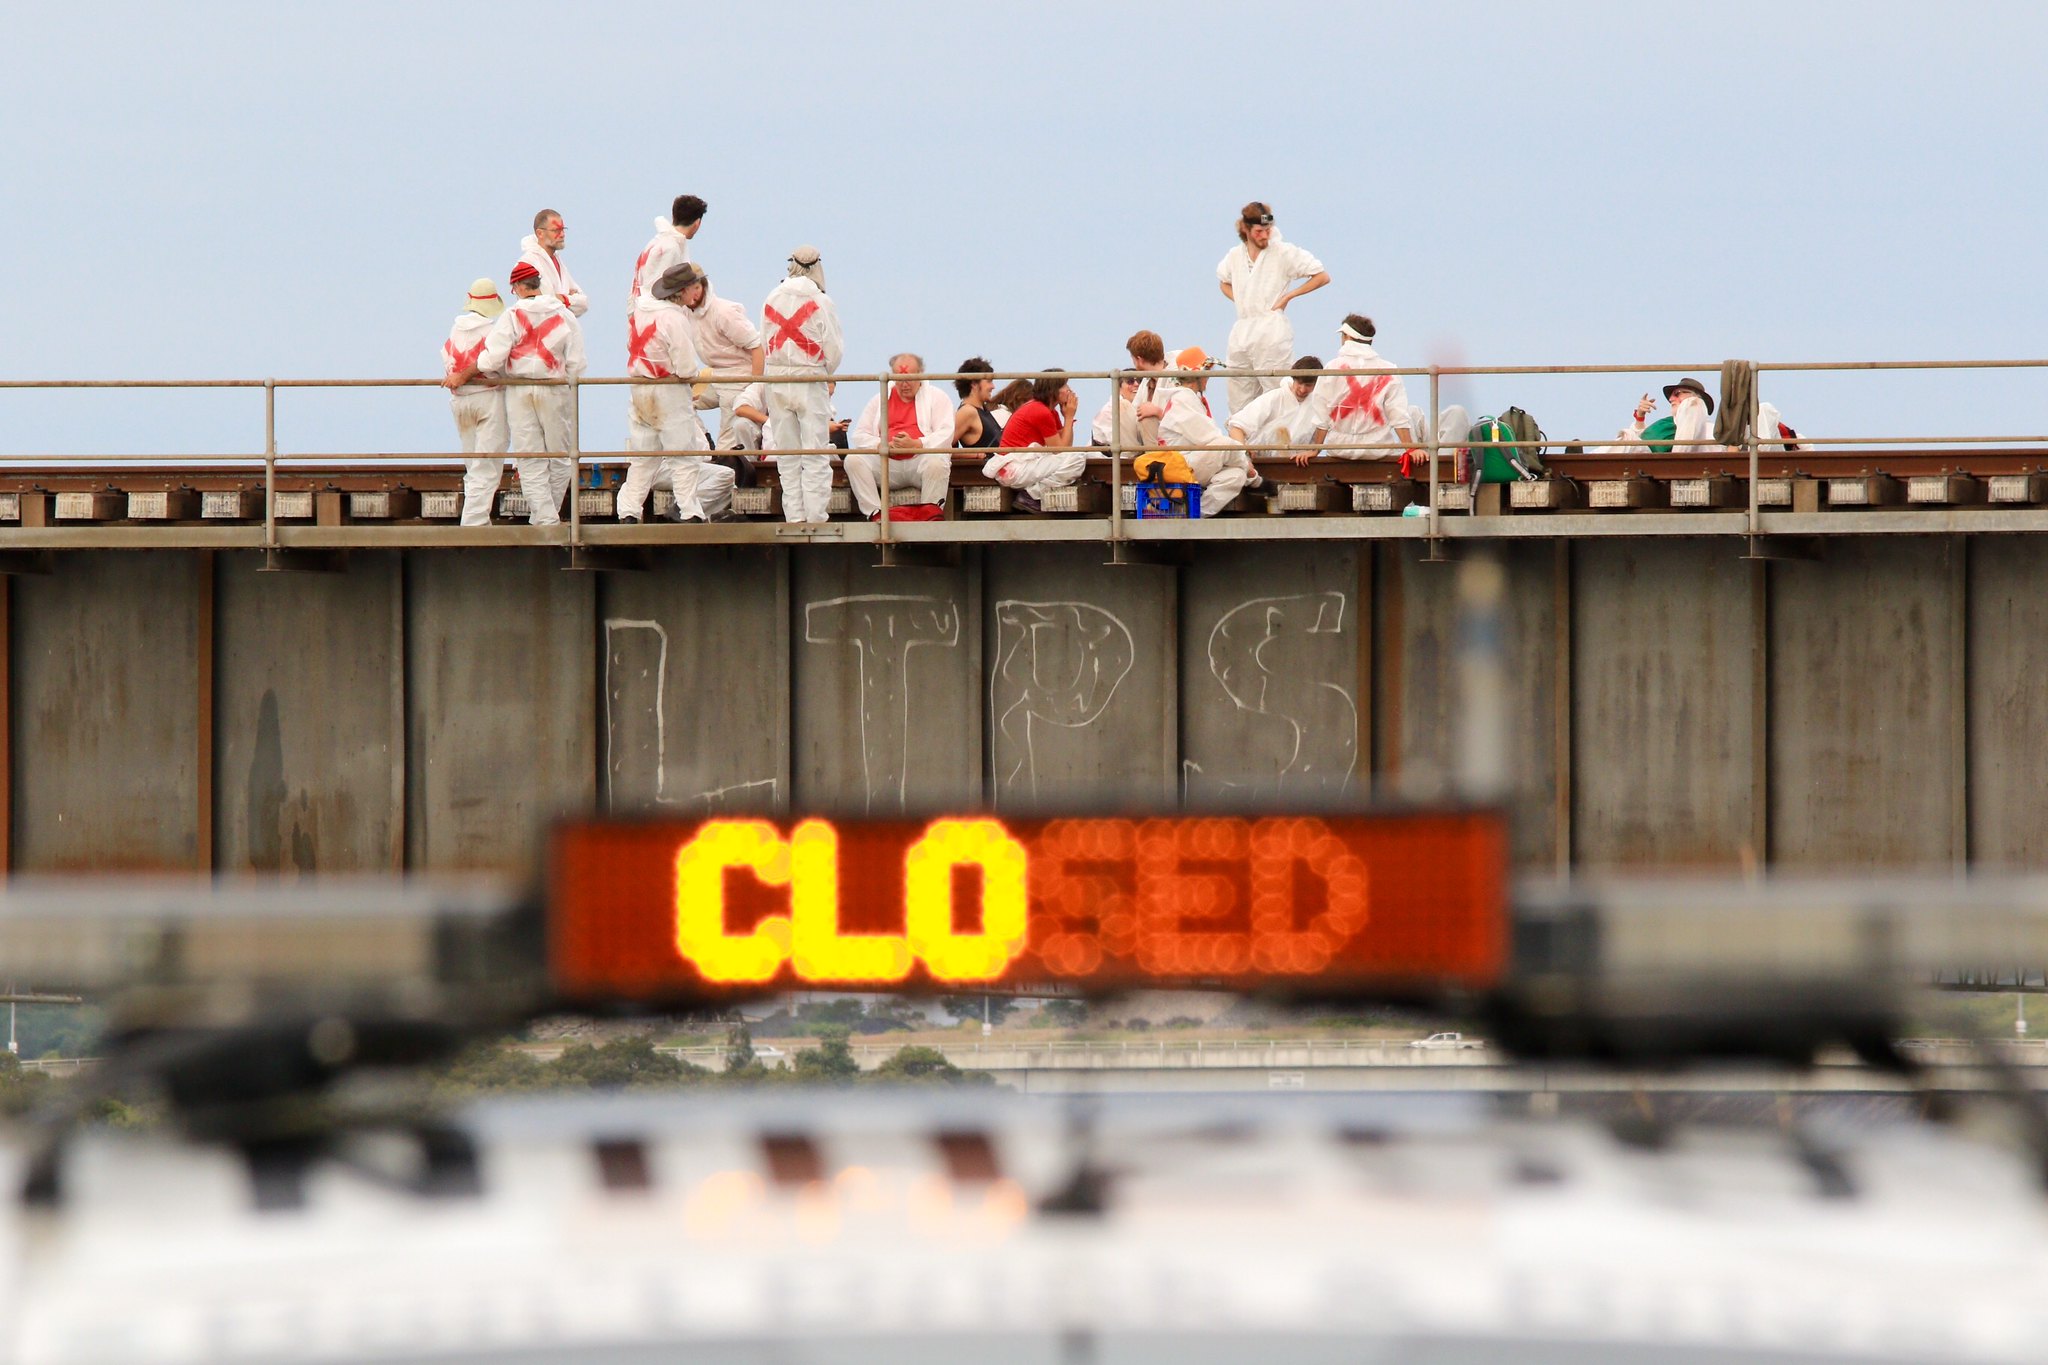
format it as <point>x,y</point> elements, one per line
<point>700,909</point>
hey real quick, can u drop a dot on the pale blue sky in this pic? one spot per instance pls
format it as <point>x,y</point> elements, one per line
<point>229,190</point>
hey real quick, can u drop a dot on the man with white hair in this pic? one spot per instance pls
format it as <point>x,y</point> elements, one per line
<point>478,404</point>
<point>542,251</point>
<point>538,340</point>
<point>801,337</point>
<point>670,246</point>
<point>920,432</point>
<point>663,419</point>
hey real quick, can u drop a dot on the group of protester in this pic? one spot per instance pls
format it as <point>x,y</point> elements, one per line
<point>507,366</point>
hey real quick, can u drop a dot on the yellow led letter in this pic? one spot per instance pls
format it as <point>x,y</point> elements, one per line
<point>928,893</point>
<point>701,935</point>
<point>823,954</point>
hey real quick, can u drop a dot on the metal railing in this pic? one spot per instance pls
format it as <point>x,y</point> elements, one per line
<point>1435,444</point>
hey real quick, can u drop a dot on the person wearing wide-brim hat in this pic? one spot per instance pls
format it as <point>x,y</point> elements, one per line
<point>1689,429</point>
<point>478,405</point>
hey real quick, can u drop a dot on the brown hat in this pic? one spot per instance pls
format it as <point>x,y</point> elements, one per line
<point>1691,386</point>
<point>675,280</point>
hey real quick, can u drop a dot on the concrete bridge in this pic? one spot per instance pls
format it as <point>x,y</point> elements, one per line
<point>1881,703</point>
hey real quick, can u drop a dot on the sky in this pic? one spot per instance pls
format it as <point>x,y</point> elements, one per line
<point>248,190</point>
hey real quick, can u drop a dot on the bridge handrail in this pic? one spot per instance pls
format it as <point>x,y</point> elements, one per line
<point>1434,446</point>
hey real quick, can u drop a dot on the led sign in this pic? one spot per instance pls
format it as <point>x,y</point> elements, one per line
<point>713,907</point>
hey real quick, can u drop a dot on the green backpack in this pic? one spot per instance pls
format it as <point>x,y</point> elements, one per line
<point>1497,464</point>
<point>1663,429</point>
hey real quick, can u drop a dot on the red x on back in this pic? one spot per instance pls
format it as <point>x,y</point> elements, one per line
<point>1363,398</point>
<point>459,359</point>
<point>532,339</point>
<point>636,353</point>
<point>789,329</point>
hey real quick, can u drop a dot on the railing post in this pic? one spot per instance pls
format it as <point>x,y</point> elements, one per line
<point>1116,457</point>
<point>1756,408</point>
<point>1436,447</point>
<point>269,464</point>
<point>884,438</point>
<point>575,461</point>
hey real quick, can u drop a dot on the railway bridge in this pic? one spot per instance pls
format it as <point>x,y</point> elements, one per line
<point>1832,656</point>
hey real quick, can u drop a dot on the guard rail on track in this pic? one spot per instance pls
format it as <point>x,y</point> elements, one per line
<point>2028,452</point>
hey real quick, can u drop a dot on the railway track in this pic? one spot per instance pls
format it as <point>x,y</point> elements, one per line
<point>230,488</point>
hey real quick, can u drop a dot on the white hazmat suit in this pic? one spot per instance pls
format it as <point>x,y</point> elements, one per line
<point>668,250</point>
<point>538,338</point>
<point>479,410</point>
<point>1262,337</point>
<point>554,275</point>
<point>662,418</point>
<point>1359,408</point>
<point>801,336</point>
<point>1188,428</point>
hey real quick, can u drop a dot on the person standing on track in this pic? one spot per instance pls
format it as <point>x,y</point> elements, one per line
<point>801,336</point>
<point>671,244</point>
<point>542,252</point>
<point>663,419</point>
<point>537,339</point>
<point>1259,275</point>
<point>478,404</point>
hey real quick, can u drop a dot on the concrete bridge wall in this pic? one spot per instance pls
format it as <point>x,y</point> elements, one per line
<point>1884,704</point>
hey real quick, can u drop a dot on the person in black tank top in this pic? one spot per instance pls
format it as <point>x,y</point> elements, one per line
<point>974,426</point>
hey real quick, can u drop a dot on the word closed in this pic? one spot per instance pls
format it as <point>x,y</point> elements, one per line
<point>715,906</point>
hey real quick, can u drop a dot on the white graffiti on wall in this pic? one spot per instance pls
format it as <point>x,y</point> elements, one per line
<point>1057,663</point>
<point>883,628</point>
<point>636,729</point>
<point>1268,653</point>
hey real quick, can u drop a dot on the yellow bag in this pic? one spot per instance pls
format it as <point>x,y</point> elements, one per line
<point>1163,466</point>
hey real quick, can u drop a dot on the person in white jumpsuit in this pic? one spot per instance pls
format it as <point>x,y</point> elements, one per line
<point>1273,419</point>
<point>728,343</point>
<point>801,336</point>
<point>1259,275</point>
<point>662,418</point>
<point>1371,410</point>
<point>537,338</point>
<point>919,425</point>
<point>670,246</point>
<point>749,425</point>
<point>1186,425</point>
<point>478,405</point>
<point>541,250</point>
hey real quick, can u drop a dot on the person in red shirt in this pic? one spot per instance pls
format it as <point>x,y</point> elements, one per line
<point>1035,456</point>
<point>919,429</point>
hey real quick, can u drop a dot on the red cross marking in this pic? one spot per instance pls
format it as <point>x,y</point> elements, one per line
<point>1364,398</point>
<point>789,329</point>
<point>636,352</point>
<point>459,359</point>
<point>531,339</point>
<point>637,267</point>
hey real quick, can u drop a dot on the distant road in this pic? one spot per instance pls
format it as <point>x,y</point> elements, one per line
<point>1365,1064</point>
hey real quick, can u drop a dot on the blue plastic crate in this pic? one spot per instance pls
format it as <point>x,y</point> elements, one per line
<point>1156,499</point>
